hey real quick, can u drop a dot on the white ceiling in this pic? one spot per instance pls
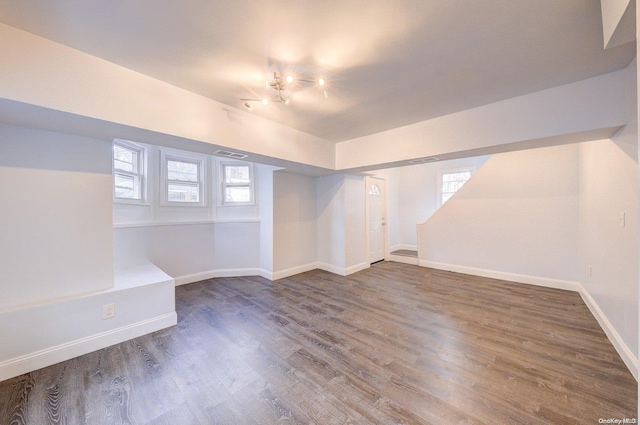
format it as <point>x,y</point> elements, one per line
<point>387,63</point>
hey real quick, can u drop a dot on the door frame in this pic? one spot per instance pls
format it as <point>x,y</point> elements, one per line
<point>385,231</point>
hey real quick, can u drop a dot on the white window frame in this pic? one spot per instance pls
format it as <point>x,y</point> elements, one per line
<point>199,160</point>
<point>223,184</point>
<point>141,175</point>
<point>440,173</point>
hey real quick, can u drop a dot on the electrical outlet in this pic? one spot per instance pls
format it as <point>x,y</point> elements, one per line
<point>108,311</point>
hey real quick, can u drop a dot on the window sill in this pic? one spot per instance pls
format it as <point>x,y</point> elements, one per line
<point>183,223</point>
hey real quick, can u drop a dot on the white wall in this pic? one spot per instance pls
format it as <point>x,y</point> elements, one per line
<point>413,197</point>
<point>356,249</point>
<point>341,223</point>
<point>609,188</point>
<point>56,253</point>
<point>294,228</point>
<point>55,216</point>
<point>517,216</point>
<point>264,179</point>
<point>330,200</point>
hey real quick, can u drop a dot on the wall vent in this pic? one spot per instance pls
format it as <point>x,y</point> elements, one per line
<point>229,154</point>
<point>424,160</point>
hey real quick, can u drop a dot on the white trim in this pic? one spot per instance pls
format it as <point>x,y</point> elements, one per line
<point>630,360</point>
<point>200,160</point>
<point>141,174</point>
<point>49,356</point>
<point>332,268</point>
<point>568,285</point>
<point>343,271</point>
<point>222,184</point>
<point>181,223</point>
<point>211,274</point>
<point>357,268</point>
<point>618,343</point>
<point>266,274</point>
<point>281,274</point>
<point>271,275</point>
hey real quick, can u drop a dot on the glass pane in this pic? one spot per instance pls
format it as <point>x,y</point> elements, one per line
<point>124,181</point>
<point>375,190</point>
<point>126,186</point>
<point>125,159</point>
<point>452,182</point>
<point>183,171</point>
<point>237,174</point>
<point>122,192</point>
<point>238,194</point>
<point>183,192</point>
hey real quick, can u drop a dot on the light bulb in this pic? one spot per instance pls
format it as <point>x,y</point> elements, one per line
<point>289,79</point>
<point>265,101</point>
<point>321,81</point>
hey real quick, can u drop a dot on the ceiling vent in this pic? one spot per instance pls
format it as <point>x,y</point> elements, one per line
<point>423,160</point>
<point>229,154</point>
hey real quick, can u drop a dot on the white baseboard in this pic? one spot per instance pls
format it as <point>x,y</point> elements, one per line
<point>356,268</point>
<point>210,274</point>
<point>332,268</point>
<point>623,350</point>
<point>630,360</point>
<point>568,285</point>
<point>281,274</point>
<point>49,356</point>
<point>343,271</point>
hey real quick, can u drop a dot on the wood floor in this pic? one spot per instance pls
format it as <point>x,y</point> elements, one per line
<point>394,344</point>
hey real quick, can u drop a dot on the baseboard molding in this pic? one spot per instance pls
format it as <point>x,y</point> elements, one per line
<point>332,268</point>
<point>343,271</point>
<point>623,350</point>
<point>49,356</point>
<point>210,274</point>
<point>356,268</point>
<point>630,360</point>
<point>568,285</point>
<point>281,274</point>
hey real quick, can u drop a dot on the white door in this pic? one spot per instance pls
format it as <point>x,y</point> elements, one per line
<point>376,206</point>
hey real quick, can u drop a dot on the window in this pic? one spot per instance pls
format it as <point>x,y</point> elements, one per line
<point>183,179</point>
<point>375,190</point>
<point>451,181</point>
<point>237,183</point>
<point>128,171</point>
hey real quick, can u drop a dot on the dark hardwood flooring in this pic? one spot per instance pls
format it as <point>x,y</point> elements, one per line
<point>395,344</point>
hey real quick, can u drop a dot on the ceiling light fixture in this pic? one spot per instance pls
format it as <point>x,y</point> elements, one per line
<point>280,85</point>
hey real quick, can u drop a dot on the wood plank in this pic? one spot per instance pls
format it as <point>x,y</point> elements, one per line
<point>389,345</point>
